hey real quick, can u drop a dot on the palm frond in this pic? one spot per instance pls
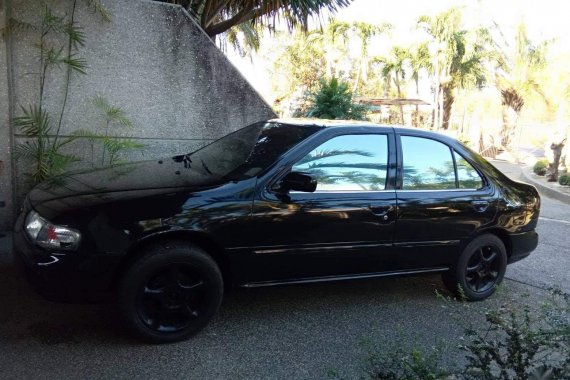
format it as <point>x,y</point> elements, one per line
<point>84,134</point>
<point>59,162</point>
<point>76,35</point>
<point>217,16</point>
<point>54,56</point>
<point>100,9</point>
<point>101,103</point>
<point>41,171</point>
<point>51,22</point>
<point>27,151</point>
<point>112,113</point>
<point>14,25</point>
<point>57,57</point>
<point>35,153</point>
<point>33,122</point>
<point>63,142</point>
<point>245,38</point>
<point>76,63</point>
<point>114,146</point>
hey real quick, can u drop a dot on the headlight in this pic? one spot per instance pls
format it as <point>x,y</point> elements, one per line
<point>49,235</point>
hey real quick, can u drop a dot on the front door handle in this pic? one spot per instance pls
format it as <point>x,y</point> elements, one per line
<point>381,212</point>
<point>480,206</point>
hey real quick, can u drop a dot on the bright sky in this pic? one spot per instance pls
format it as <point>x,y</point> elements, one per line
<point>545,19</point>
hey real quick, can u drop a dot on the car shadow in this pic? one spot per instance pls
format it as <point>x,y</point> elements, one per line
<point>26,316</point>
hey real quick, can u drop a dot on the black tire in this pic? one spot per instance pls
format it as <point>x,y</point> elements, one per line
<point>479,270</point>
<point>170,293</point>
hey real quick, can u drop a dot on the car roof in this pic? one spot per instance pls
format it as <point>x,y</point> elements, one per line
<point>357,123</point>
<point>326,122</point>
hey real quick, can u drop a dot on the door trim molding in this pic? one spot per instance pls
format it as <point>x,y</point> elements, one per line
<point>308,280</point>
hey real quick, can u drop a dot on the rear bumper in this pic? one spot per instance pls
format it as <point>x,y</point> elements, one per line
<point>522,245</point>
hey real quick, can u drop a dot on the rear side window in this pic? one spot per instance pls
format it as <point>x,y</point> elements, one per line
<point>467,176</point>
<point>348,163</point>
<point>430,165</point>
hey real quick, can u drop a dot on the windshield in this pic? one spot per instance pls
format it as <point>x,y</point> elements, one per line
<point>248,151</point>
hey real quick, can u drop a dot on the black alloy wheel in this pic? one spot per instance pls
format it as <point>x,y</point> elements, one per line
<point>172,298</point>
<point>170,293</point>
<point>479,270</point>
<point>483,269</point>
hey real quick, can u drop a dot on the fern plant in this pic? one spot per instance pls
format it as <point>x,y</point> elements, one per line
<point>110,147</point>
<point>44,148</point>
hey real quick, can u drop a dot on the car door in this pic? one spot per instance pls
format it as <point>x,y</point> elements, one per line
<point>342,228</point>
<point>442,201</point>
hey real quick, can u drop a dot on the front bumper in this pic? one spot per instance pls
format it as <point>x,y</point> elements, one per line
<point>522,245</point>
<point>63,276</point>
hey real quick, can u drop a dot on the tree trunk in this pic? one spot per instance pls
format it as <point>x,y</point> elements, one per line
<point>553,167</point>
<point>510,121</point>
<point>397,81</point>
<point>328,62</point>
<point>448,100</point>
<point>355,88</point>
<point>417,115</point>
<point>512,104</point>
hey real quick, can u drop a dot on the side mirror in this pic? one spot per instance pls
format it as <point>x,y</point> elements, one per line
<point>298,181</point>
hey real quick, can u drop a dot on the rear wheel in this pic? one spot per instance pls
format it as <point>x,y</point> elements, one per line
<point>479,270</point>
<point>170,293</point>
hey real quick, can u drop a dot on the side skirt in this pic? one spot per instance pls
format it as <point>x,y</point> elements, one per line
<point>308,280</point>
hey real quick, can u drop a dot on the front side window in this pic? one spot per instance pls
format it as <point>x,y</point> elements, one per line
<point>248,151</point>
<point>348,163</point>
<point>428,165</point>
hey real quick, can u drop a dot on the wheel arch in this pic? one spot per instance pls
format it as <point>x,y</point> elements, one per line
<point>501,234</point>
<point>202,240</point>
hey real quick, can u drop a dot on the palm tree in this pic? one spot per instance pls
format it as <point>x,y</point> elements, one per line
<point>365,32</point>
<point>393,70</point>
<point>457,63</point>
<point>441,29</point>
<point>333,39</point>
<point>519,69</point>
<point>419,60</point>
<point>245,39</point>
<point>218,16</point>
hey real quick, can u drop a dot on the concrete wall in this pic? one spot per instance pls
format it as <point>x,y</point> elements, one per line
<point>152,60</point>
<point>6,173</point>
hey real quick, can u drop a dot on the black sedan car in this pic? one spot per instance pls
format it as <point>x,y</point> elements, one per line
<point>277,202</point>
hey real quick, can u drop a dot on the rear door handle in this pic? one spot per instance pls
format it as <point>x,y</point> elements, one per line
<point>480,206</point>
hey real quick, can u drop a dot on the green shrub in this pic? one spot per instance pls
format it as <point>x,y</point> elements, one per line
<point>540,167</point>
<point>564,179</point>
<point>333,100</point>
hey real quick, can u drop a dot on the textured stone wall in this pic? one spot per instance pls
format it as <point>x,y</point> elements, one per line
<point>152,60</point>
<point>6,194</point>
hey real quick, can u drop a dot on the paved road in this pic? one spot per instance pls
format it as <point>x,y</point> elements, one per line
<point>548,265</point>
<point>301,332</point>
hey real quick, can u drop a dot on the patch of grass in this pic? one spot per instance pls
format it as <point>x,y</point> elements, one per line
<point>513,342</point>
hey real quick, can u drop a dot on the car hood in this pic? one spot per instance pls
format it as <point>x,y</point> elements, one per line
<point>124,181</point>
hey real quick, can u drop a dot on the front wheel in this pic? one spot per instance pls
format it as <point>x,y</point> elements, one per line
<point>479,270</point>
<point>170,293</point>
